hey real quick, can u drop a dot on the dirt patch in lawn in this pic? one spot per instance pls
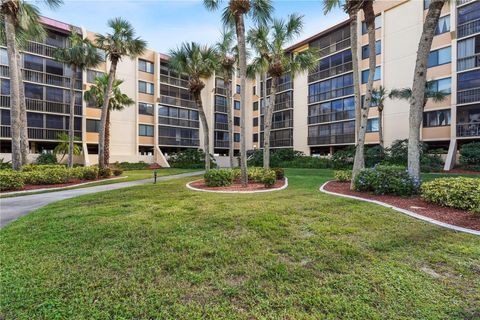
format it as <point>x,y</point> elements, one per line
<point>415,204</point>
<point>237,186</point>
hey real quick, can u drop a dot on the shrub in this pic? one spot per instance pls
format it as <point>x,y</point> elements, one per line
<point>84,173</point>
<point>47,158</point>
<point>393,180</point>
<point>431,162</point>
<point>269,178</point>
<point>343,159</point>
<point>459,192</point>
<point>307,162</point>
<point>219,177</point>
<point>189,159</point>
<point>36,167</point>
<point>105,172</point>
<point>117,172</point>
<point>470,156</point>
<point>255,174</point>
<point>343,175</point>
<point>397,154</point>
<point>131,165</point>
<point>374,155</point>
<point>11,180</point>
<point>57,175</point>
<point>5,164</point>
<point>279,173</point>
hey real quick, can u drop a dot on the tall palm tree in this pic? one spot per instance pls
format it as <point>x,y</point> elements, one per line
<point>20,21</point>
<point>378,99</point>
<point>276,62</point>
<point>121,43</point>
<point>79,55</point>
<point>417,98</point>
<point>227,64</point>
<point>234,15</point>
<point>197,62</point>
<point>116,102</point>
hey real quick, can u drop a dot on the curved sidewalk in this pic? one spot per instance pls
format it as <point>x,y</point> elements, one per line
<point>15,207</point>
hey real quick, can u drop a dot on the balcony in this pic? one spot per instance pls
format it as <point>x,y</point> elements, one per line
<point>470,62</point>
<point>38,133</point>
<point>279,125</point>
<point>174,81</point>
<point>278,143</point>
<point>221,144</point>
<point>333,71</point>
<point>221,91</point>
<point>469,28</point>
<point>468,130</point>
<point>178,122</point>
<point>462,2</point>
<point>173,141</point>
<point>337,139</point>
<point>221,126</point>
<point>468,96</point>
<point>179,102</point>
<point>41,49</point>
<point>220,108</point>
<point>332,116</point>
<point>337,93</point>
<point>43,106</point>
<point>334,47</point>
<point>42,77</point>
<point>281,87</point>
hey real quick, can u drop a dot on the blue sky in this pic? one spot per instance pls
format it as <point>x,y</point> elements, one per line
<point>164,24</point>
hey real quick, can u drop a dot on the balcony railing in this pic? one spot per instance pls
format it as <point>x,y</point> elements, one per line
<point>468,28</point>
<point>334,47</point>
<point>220,108</point>
<point>220,91</point>
<point>468,96</point>
<point>221,126</point>
<point>278,143</point>
<point>174,81</point>
<point>171,141</point>
<point>279,125</point>
<point>42,77</point>
<point>41,49</point>
<point>468,62</point>
<point>221,144</point>
<point>174,101</point>
<point>38,133</point>
<point>332,116</point>
<point>178,122</point>
<point>468,130</point>
<point>462,2</point>
<point>336,139</point>
<point>281,87</point>
<point>345,91</point>
<point>5,132</point>
<point>333,71</point>
<point>43,106</point>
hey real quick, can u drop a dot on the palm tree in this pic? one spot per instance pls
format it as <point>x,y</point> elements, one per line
<point>64,146</point>
<point>228,62</point>
<point>417,98</point>
<point>118,44</point>
<point>197,62</point>
<point>273,60</point>
<point>116,102</point>
<point>21,21</point>
<point>79,55</point>
<point>234,15</point>
<point>378,99</point>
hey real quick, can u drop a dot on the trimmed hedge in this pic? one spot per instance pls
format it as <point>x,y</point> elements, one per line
<point>105,172</point>
<point>343,175</point>
<point>131,165</point>
<point>459,192</point>
<point>392,180</point>
<point>470,156</point>
<point>11,180</point>
<point>189,159</point>
<point>225,177</point>
<point>219,177</point>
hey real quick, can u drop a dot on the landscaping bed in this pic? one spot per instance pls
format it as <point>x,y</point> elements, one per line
<point>415,204</point>
<point>236,186</point>
<point>71,183</point>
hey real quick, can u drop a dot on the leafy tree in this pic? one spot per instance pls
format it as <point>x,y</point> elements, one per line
<point>378,99</point>
<point>63,147</point>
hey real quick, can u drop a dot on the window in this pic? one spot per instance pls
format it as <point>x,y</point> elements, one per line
<point>378,49</point>
<point>255,122</point>
<point>3,57</point>
<point>372,125</point>
<point>467,50</point>
<point>439,57</point>
<point>145,66</point>
<point>53,67</point>
<point>93,125</point>
<point>426,4</point>
<point>33,91</point>
<point>236,137</point>
<point>436,118</point>
<point>469,13</point>
<point>443,25</point>
<point>442,85</point>
<point>376,77</point>
<point>54,121</point>
<point>236,121</point>
<point>145,87</point>
<point>236,105</point>
<point>5,117</point>
<point>34,120</point>
<point>221,118</point>
<point>378,24</point>
<point>332,88</point>
<point>54,94</point>
<point>5,87</point>
<point>254,88</point>
<point>255,106</point>
<point>145,130</point>
<point>92,75</point>
<point>32,62</point>
<point>255,137</point>
<point>238,89</point>
<point>145,108</point>
<point>468,80</point>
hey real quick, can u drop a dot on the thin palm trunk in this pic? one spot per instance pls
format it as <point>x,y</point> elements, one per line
<point>103,119</point>
<point>24,145</point>
<point>227,79</point>
<point>359,161</point>
<point>417,101</point>
<point>355,67</point>
<point>107,138</point>
<point>203,120</point>
<point>14,92</point>
<point>380,125</point>
<point>268,122</point>
<point>242,53</point>
<point>71,129</point>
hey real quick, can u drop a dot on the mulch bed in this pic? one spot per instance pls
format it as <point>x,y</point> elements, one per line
<point>237,186</point>
<point>72,183</point>
<point>415,204</point>
<point>460,171</point>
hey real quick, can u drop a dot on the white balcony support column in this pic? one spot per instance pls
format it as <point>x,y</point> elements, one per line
<point>451,155</point>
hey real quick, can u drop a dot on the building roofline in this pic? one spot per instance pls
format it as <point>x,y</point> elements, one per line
<point>318,35</point>
<point>60,25</point>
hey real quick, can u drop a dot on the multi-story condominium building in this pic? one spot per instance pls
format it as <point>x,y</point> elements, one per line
<point>314,112</point>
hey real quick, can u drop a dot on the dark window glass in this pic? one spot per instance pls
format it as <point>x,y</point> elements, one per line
<point>145,108</point>
<point>32,62</point>
<point>238,88</point>
<point>378,24</point>
<point>93,125</point>
<point>443,25</point>
<point>236,121</point>
<point>54,94</point>
<point>5,87</point>
<point>54,121</point>
<point>255,137</point>
<point>54,67</point>
<point>469,13</point>
<point>236,105</point>
<point>255,106</point>
<point>468,80</point>
<point>34,120</point>
<point>5,117</point>
<point>33,91</point>
<point>372,125</point>
<point>255,122</point>
<point>145,66</point>
<point>3,57</point>
<point>439,57</point>
<point>378,49</point>
<point>376,77</point>
<point>221,118</point>
<point>436,118</point>
<point>236,137</point>
<point>145,130</point>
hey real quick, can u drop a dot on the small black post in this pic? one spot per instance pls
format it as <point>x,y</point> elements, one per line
<point>154,176</point>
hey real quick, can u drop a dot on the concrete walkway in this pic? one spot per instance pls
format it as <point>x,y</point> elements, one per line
<point>15,207</point>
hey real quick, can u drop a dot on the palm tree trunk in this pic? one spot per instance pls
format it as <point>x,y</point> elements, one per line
<point>107,139</point>
<point>418,88</point>
<point>355,67</point>
<point>71,129</point>
<point>14,92</point>
<point>227,80</point>
<point>206,136</point>
<point>242,53</point>
<point>25,148</point>
<point>103,119</point>
<point>267,122</point>
<point>380,126</point>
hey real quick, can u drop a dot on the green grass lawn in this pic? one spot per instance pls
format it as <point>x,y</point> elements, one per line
<point>164,252</point>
